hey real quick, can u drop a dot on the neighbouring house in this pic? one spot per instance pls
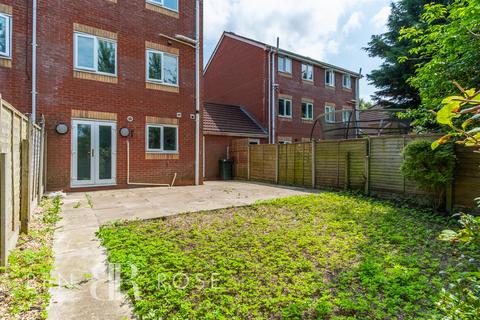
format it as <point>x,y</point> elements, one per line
<point>222,124</point>
<point>116,84</point>
<point>285,91</point>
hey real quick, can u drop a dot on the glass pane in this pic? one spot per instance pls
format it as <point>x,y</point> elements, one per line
<point>106,56</point>
<point>105,152</point>
<point>154,138</point>
<point>169,139</point>
<point>288,65</point>
<point>304,71</point>
<point>288,108</point>
<point>3,35</point>
<point>170,69</point>
<point>171,4</point>
<point>154,66</point>
<point>281,107</point>
<point>304,110</point>
<point>84,147</point>
<point>85,52</point>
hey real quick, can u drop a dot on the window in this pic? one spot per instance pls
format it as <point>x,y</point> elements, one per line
<point>346,114</point>
<point>285,108</point>
<point>162,139</point>
<point>330,114</point>
<point>307,111</point>
<point>254,141</point>
<point>95,54</point>
<point>347,81</point>
<point>285,64</point>
<point>5,35</point>
<point>169,4</point>
<point>285,141</point>
<point>307,72</point>
<point>162,67</point>
<point>330,78</point>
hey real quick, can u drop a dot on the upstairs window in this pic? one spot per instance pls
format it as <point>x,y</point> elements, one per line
<point>168,4</point>
<point>307,111</point>
<point>346,115</point>
<point>347,81</point>
<point>5,35</point>
<point>285,108</point>
<point>95,54</point>
<point>285,64</point>
<point>162,139</point>
<point>162,67</point>
<point>330,114</point>
<point>330,78</point>
<point>307,72</point>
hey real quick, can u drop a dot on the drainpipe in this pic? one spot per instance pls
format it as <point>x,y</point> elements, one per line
<point>357,104</point>
<point>273,99</point>
<point>269,97</point>
<point>34,60</point>
<point>197,93</point>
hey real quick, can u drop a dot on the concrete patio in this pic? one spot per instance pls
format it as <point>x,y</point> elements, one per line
<point>89,289</point>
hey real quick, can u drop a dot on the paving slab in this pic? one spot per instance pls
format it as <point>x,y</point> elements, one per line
<point>86,286</point>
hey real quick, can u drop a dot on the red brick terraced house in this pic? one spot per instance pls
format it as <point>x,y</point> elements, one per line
<point>117,82</point>
<point>283,90</point>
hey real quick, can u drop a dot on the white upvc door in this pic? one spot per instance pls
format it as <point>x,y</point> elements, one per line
<point>94,153</point>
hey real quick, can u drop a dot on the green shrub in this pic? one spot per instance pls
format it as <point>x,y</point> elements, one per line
<point>430,169</point>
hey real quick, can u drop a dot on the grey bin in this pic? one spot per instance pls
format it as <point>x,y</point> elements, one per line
<point>226,169</point>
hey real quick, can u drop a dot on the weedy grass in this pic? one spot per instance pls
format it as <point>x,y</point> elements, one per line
<point>326,256</point>
<point>25,282</point>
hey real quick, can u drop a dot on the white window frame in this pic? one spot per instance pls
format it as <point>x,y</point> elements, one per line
<point>95,53</point>
<point>161,3</point>
<point>162,81</point>
<point>309,106</point>
<point>284,142</point>
<point>8,36</point>
<point>253,141</point>
<point>288,66</point>
<point>308,66</point>
<point>330,114</point>
<point>347,77</point>
<point>346,114</point>
<point>285,108</point>
<point>161,150</point>
<point>332,83</point>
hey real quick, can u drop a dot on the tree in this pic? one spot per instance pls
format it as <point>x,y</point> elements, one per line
<point>446,42</point>
<point>391,78</point>
<point>364,105</point>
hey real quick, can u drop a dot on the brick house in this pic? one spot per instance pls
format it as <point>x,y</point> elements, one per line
<point>114,78</point>
<point>284,91</point>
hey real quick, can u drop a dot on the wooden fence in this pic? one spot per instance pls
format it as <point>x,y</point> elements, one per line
<point>370,165</point>
<point>22,152</point>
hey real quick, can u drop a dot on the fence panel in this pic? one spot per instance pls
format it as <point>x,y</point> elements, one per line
<point>21,170</point>
<point>239,155</point>
<point>467,178</point>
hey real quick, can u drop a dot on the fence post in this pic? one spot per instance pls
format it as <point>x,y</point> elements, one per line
<point>25,186</point>
<point>277,164</point>
<point>40,188</point>
<point>3,211</point>
<point>347,171</point>
<point>367,167</point>
<point>248,162</point>
<point>313,164</point>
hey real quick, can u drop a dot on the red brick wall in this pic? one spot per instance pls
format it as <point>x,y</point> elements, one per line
<point>59,92</point>
<point>237,76</point>
<point>318,92</point>
<point>15,81</point>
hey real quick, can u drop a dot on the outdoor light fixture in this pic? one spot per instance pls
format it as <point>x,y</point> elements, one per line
<point>61,128</point>
<point>130,119</point>
<point>124,132</point>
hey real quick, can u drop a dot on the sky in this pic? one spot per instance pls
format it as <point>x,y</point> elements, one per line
<point>333,31</point>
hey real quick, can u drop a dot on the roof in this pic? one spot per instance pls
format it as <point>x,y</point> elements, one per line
<point>281,52</point>
<point>221,119</point>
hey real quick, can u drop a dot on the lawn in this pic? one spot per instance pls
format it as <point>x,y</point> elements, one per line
<point>326,256</point>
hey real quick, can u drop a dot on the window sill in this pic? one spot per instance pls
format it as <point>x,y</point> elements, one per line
<point>281,118</point>
<point>162,87</point>
<point>162,10</point>
<point>328,86</point>
<point>5,62</point>
<point>86,75</point>
<point>309,82</point>
<point>347,89</point>
<point>285,74</point>
<point>161,156</point>
<point>304,120</point>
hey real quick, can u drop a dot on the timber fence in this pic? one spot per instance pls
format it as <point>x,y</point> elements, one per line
<point>371,165</point>
<point>22,182</point>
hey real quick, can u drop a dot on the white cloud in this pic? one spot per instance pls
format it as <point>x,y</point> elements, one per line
<point>309,27</point>
<point>381,18</point>
<point>354,22</point>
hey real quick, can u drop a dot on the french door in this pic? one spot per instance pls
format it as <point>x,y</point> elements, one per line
<point>94,153</point>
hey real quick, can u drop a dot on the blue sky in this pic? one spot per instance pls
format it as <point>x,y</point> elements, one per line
<point>334,31</point>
